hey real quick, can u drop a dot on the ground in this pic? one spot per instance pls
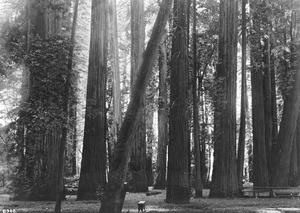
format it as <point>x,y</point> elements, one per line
<point>155,203</point>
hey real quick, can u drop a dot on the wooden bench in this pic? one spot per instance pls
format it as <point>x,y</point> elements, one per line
<point>286,194</point>
<point>271,190</point>
<point>255,192</point>
<point>141,206</point>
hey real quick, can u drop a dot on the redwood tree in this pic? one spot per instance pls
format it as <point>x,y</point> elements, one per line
<point>112,202</point>
<point>137,179</point>
<point>178,152</point>
<point>162,115</point>
<point>93,164</point>
<point>260,166</point>
<point>224,179</point>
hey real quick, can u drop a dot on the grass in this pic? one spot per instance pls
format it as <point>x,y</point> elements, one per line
<point>155,203</point>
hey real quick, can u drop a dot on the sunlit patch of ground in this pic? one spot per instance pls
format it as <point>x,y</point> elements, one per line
<point>155,203</point>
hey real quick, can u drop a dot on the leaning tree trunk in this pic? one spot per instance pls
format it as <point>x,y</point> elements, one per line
<point>160,182</point>
<point>93,165</point>
<point>224,179</point>
<point>113,199</point>
<point>137,179</point>
<point>260,167</point>
<point>178,152</point>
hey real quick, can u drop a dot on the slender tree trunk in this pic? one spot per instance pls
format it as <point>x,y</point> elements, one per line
<point>268,104</point>
<point>149,130</point>
<point>116,73</point>
<point>160,182</point>
<point>273,99</point>
<point>241,146</point>
<point>112,202</point>
<point>178,153</point>
<point>93,165</point>
<point>197,153</point>
<point>260,167</point>
<point>137,179</point>
<point>64,138</point>
<point>224,180</point>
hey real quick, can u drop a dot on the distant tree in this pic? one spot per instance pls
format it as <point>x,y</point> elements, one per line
<point>242,133</point>
<point>93,165</point>
<point>115,69</point>
<point>161,163</point>
<point>224,179</point>
<point>178,150</point>
<point>196,129</point>
<point>113,198</point>
<point>137,179</point>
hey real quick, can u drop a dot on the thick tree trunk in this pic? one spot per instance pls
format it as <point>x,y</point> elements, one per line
<point>112,202</point>
<point>283,148</point>
<point>196,135</point>
<point>260,166</point>
<point>224,180</point>
<point>160,182</point>
<point>178,153</point>
<point>137,179</point>
<point>242,133</point>
<point>93,165</point>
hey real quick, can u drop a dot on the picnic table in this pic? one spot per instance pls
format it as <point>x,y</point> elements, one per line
<point>271,190</point>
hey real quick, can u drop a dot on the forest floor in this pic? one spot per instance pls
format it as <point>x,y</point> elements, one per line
<point>155,203</point>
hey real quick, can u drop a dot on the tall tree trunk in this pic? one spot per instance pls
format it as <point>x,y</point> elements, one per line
<point>224,180</point>
<point>291,109</point>
<point>197,146</point>
<point>93,165</point>
<point>137,179</point>
<point>116,73</point>
<point>242,134</point>
<point>113,200</point>
<point>64,138</point>
<point>260,167</point>
<point>178,153</point>
<point>160,182</point>
<point>268,103</point>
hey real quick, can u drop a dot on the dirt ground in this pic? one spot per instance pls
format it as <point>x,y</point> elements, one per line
<point>155,203</point>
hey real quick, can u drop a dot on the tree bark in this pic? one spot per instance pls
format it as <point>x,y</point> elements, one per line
<point>287,131</point>
<point>260,167</point>
<point>137,179</point>
<point>112,202</point>
<point>178,152</point>
<point>160,182</point>
<point>224,179</point>
<point>93,165</point>
<point>242,134</point>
